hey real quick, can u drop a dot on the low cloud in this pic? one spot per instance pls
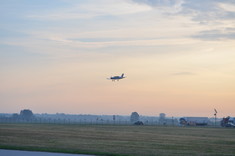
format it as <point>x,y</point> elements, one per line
<point>183,73</point>
<point>228,33</point>
<point>88,10</point>
<point>209,10</point>
<point>167,6</point>
<point>155,3</point>
<point>215,14</point>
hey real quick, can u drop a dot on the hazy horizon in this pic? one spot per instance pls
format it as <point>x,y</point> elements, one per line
<point>110,115</point>
<point>177,56</point>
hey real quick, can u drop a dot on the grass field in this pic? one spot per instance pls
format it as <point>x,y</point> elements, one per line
<point>119,140</point>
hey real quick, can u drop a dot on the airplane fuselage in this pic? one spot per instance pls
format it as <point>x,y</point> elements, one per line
<point>113,78</point>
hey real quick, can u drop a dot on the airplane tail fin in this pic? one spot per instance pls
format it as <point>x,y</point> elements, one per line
<point>122,75</point>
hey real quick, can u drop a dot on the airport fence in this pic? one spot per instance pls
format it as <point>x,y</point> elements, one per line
<point>38,120</point>
<point>80,121</point>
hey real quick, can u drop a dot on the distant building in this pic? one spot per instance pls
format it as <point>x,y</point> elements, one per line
<point>227,122</point>
<point>232,119</point>
<point>162,118</point>
<point>193,121</point>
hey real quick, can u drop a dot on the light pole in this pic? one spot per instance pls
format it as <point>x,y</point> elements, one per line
<point>215,115</point>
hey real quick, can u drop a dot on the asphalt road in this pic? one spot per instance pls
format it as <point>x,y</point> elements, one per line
<point>30,153</point>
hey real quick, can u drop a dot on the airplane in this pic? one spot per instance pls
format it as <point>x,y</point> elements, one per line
<point>113,78</point>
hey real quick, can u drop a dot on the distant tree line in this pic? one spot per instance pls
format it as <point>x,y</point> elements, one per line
<point>25,114</point>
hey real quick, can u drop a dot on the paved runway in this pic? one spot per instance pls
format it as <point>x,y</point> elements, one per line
<point>30,153</point>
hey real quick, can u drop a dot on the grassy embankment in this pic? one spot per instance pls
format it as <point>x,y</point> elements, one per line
<point>118,140</point>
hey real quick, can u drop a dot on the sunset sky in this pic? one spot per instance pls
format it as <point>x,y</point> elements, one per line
<point>178,56</point>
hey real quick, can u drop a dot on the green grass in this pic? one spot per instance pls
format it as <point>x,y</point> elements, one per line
<point>119,140</point>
